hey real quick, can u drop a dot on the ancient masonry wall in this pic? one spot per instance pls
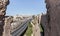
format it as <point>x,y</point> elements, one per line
<point>3,6</point>
<point>53,18</point>
<point>7,26</point>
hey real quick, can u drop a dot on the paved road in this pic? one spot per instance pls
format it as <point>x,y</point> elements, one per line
<point>18,27</point>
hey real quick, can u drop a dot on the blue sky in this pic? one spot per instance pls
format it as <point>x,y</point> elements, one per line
<point>26,7</point>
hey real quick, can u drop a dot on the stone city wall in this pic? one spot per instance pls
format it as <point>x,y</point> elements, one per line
<point>3,6</point>
<point>53,18</point>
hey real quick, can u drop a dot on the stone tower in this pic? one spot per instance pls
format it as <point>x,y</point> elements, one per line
<point>53,18</point>
<point>3,7</point>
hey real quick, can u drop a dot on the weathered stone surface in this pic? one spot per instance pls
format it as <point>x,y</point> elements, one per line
<point>3,6</point>
<point>7,26</point>
<point>43,20</point>
<point>53,18</point>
